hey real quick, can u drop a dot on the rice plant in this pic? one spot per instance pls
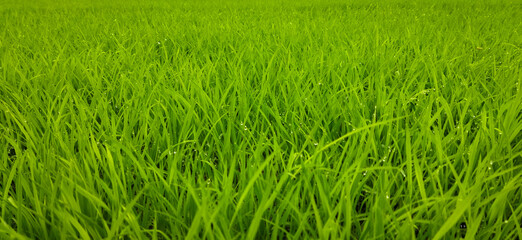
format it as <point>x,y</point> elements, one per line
<point>254,120</point>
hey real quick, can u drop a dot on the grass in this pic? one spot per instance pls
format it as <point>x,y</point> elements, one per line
<point>224,120</point>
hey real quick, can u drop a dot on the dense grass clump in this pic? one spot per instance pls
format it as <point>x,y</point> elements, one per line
<point>236,120</point>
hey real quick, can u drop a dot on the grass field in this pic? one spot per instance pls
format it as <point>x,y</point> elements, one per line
<point>252,120</point>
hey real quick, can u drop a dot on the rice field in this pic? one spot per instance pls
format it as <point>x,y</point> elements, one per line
<point>217,119</point>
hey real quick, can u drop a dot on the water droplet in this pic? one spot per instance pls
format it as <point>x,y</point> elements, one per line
<point>315,144</point>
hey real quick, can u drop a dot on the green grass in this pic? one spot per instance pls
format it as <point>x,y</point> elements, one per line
<point>223,120</point>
